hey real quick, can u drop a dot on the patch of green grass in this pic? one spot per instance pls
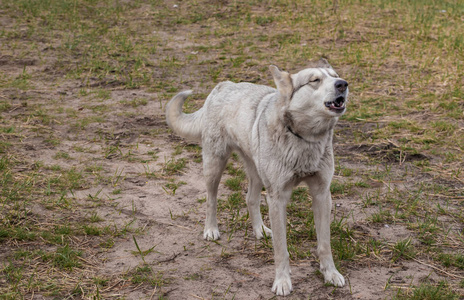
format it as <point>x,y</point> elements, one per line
<point>428,291</point>
<point>452,260</point>
<point>12,273</point>
<point>72,179</point>
<point>235,200</point>
<point>100,281</point>
<point>95,217</point>
<point>63,229</point>
<point>101,108</point>
<point>234,183</point>
<point>64,257</point>
<point>42,116</point>
<point>62,155</point>
<point>263,20</point>
<point>23,234</point>
<point>196,150</point>
<point>112,151</point>
<point>383,216</point>
<point>107,244</point>
<point>82,123</point>
<point>344,244</point>
<point>146,274</point>
<point>194,276</point>
<point>340,188</point>
<point>444,127</point>
<point>21,81</point>
<point>302,233</point>
<point>92,230</point>
<point>300,194</point>
<point>103,94</point>
<point>404,249</point>
<point>171,187</point>
<point>4,106</point>
<point>173,166</point>
<point>135,102</point>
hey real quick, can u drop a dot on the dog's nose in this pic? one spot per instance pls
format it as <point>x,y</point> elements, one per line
<point>341,85</point>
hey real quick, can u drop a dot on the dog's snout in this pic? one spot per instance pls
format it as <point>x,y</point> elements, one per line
<point>341,85</point>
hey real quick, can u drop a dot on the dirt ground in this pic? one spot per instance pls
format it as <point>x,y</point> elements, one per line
<point>120,144</point>
<point>234,267</point>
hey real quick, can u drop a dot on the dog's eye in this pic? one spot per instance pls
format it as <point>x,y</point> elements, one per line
<point>314,80</point>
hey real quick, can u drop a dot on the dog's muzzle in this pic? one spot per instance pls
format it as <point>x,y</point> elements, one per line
<point>338,105</point>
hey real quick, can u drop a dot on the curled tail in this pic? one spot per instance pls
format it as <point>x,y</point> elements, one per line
<point>188,126</point>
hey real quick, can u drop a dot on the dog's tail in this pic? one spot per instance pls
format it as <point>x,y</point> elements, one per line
<point>188,126</point>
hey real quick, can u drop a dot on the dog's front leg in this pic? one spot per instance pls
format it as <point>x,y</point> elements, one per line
<point>278,217</point>
<point>319,187</point>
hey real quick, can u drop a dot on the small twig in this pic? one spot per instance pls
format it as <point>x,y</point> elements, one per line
<point>15,108</point>
<point>175,225</point>
<point>446,196</point>
<point>154,291</point>
<point>401,287</point>
<point>438,269</point>
<point>109,288</point>
<point>89,264</point>
<point>134,289</point>
<point>169,259</point>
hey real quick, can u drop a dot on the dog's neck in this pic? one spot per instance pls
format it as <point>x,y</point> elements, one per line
<point>289,128</point>
<point>310,131</point>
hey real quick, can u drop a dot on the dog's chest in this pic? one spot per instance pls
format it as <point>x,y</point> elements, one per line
<point>305,160</point>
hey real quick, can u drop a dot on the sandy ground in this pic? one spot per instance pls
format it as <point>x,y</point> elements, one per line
<point>235,267</point>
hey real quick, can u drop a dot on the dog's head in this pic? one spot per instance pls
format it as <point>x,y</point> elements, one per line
<point>316,90</point>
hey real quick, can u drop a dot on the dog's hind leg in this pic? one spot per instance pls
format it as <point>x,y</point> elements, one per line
<point>253,200</point>
<point>319,188</point>
<point>213,166</point>
<point>277,213</point>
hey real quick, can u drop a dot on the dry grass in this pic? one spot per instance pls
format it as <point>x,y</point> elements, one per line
<point>69,69</point>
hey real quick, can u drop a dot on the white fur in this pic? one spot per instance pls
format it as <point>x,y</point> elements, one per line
<point>284,136</point>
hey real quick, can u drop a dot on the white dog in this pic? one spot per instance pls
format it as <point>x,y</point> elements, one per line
<point>284,137</point>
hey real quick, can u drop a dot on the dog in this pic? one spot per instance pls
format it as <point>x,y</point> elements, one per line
<point>284,137</point>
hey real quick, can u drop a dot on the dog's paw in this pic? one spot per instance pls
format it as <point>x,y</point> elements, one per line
<point>334,277</point>
<point>211,234</point>
<point>282,286</point>
<point>261,231</point>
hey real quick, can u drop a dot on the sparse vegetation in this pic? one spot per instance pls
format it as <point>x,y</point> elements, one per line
<point>82,133</point>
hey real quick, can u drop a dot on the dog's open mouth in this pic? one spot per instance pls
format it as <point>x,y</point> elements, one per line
<point>338,105</point>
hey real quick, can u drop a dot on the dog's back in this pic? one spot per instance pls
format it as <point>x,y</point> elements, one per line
<point>230,111</point>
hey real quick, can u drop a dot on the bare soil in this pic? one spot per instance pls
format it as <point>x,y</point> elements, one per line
<point>123,156</point>
<point>194,268</point>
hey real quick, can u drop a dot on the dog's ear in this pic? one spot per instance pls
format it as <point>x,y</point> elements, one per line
<point>323,63</point>
<point>283,81</point>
